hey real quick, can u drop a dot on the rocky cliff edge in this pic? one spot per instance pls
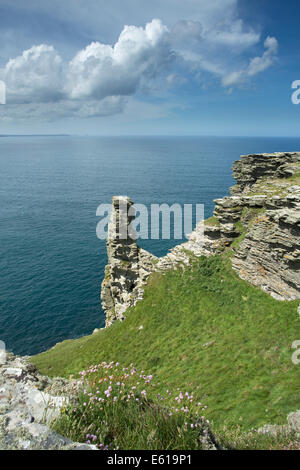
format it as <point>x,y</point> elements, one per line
<point>260,222</point>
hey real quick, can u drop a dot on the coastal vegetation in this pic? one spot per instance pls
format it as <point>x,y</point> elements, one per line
<point>203,328</point>
<point>213,349</point>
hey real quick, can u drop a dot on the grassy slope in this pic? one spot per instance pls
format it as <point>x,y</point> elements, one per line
<point>208,331</point>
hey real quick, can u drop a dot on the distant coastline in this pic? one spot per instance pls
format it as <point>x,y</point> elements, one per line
<point>34,135</point>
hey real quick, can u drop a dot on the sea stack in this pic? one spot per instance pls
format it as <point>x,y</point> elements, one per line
<point>128,265</point>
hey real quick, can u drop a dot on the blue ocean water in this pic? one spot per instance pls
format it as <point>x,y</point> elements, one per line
<point>51,261</point>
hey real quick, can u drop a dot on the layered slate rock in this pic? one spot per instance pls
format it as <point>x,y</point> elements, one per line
<point>260,222</point>
<point>29,403</point>
<point>250,168</point>
<point>128,265</point>
<point>269,254</point>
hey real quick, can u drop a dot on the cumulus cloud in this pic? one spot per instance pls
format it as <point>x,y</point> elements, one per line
<point>35,75</point>
<point>100,77</point>
<point>96,80</point>
<point>102,70</point>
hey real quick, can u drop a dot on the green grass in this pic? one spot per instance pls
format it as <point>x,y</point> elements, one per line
<point>214,221</point>
<point>274,186</point>
<point>249,216</point>
<point>114,411</point>
<point>237,439</point>
<point>295,179</point>
<point>208,331</point>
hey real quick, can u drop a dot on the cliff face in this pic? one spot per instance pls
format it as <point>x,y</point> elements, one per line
<point>268,256</point>
<point>260,222</point>
<point>251,168</point>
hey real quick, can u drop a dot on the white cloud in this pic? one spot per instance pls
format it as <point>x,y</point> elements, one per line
<point>174,79</point>
<point>95,81</point>
<point>100,78</point>
<point>233,78</point>
<point>231,34</point>
<point>234,35</point>
<point>35,75</point>
<point>257,64</point>
<point>102,70</point>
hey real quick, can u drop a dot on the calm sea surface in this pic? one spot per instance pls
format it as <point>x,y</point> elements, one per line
<point>51,261</point>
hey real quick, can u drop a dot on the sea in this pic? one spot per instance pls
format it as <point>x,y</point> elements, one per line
<point>51,261</point>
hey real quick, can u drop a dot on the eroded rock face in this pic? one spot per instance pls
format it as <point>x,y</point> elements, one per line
<point>128,265</point>
<point>250,168</point>
<point>269,255</point>
<point>29,402</point>
<point>264,208</point>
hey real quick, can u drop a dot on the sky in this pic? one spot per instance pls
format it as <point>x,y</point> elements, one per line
<point>159,67</point>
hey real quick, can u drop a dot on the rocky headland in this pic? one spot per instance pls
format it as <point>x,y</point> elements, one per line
<point>260,222</point>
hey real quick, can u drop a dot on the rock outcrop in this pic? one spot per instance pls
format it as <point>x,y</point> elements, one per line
<point>260,222</point>
<point>251,168</point>
<point>292,426</point>
<point>269,254</point>
<point>29,402</point>
<point>128,265</point>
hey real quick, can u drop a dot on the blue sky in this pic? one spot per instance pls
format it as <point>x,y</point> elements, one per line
<point>140,67</point>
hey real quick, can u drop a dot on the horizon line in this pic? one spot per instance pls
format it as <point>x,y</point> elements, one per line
<point>153,135</point>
